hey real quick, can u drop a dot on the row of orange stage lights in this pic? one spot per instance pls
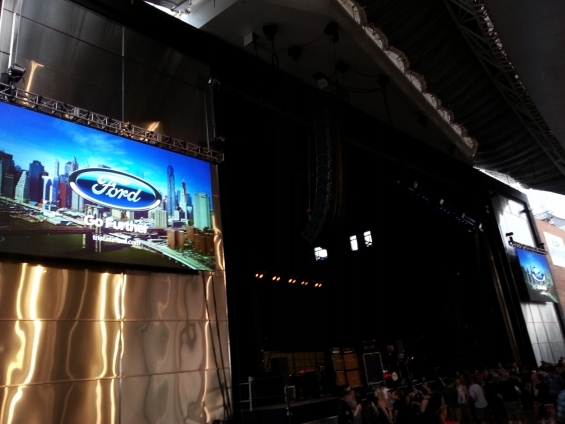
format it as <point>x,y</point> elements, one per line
<point>289,280</point>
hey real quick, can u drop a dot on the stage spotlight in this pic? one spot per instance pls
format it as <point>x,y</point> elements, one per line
<point>270,31</point>
<point>213,77</point>
<point>368,239</point>
<point>304,283</point>
<point>295,52</point>
<point>259,275</point>
<point>353,243</point>
<point>333,31</point>
<point>276,278</point>
<point>321,79</point>
<point>341,66</point>
<point>292,281</point>
<point>16,72</point>
<point>320,254</point>
<point>383,81</point>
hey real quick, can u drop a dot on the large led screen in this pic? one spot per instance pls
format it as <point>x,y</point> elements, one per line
<point>536,273</point>
<point>74,192</point>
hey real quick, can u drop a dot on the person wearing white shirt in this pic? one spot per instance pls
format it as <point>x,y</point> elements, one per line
<point>477,395</point>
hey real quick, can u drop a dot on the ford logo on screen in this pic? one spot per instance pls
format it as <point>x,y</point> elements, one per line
<point>115,189</point>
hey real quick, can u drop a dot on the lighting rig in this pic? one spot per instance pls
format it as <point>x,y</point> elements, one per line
<point>540,248</point>
<point>11,94</point>
<point>12,75</point>
<point>292,280</point>
<point>413,187</point>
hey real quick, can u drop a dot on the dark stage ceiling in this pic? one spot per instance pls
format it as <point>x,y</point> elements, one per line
<point>495,65</point>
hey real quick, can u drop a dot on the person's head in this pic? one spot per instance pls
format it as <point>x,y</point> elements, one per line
<point>380,394</point>
<point>348,395</point>
<point>448,382</point>
<point>432,386</point>
<point>347,392</point>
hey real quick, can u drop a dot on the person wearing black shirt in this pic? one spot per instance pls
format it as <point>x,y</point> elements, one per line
<point>348,410</point>
<point>508,390</point>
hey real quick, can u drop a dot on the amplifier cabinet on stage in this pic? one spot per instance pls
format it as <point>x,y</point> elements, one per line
<point>348,378</point>
<point>373,367</point>
<point>340,378</point>
<point>346,368</point>
<point>354,378</point>
<point>339,363</point>
<point>350,361</point>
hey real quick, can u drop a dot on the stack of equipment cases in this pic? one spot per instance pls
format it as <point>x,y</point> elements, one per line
<point>346,367</point>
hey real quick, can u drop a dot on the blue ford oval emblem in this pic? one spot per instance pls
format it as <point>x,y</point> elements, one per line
<point>115,189</point>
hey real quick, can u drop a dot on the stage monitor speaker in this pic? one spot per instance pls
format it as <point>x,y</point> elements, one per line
<point>373,367</point>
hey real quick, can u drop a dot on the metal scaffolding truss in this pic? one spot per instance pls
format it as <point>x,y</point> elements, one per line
<point>476,26</point>
<point>11,94</point>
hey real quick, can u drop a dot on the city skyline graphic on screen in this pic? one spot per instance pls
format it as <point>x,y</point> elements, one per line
<point>48,168</point>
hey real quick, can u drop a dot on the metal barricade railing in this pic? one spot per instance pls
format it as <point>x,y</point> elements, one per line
<point>252,398</point>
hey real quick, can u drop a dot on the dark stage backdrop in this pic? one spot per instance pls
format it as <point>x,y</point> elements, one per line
<point>425,280</point>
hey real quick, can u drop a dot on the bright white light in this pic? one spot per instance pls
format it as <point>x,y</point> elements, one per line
<point>320,254</point>
<point>368,238</point>
<point>353,243</point>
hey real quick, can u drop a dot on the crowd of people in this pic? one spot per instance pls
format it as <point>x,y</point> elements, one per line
<point>498,395</point>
